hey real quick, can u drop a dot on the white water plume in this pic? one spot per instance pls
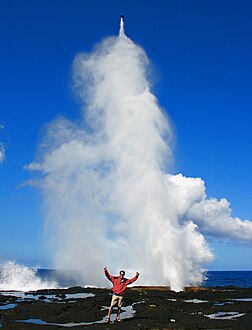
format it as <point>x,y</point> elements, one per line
<point>17,277</point>
<point>108,197</point>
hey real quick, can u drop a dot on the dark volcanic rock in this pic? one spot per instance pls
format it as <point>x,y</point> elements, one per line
<point>154,308</point>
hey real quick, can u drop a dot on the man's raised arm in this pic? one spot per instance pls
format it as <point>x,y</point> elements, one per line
<point>110,277</point>
<point>133,279</point>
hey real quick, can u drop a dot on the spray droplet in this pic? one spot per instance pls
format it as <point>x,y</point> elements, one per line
<point>121,32</point>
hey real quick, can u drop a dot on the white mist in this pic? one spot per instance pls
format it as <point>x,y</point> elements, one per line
<point>109,200</point>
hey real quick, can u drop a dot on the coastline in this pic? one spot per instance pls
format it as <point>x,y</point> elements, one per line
<point>143,308</point>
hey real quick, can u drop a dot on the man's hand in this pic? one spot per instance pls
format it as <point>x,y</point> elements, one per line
<point>105,268</point>
<point>137,273</point>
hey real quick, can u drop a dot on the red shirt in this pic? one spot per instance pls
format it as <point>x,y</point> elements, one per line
<point>120,284</point>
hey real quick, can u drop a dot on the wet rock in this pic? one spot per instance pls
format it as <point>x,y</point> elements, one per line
<point>154,308</point>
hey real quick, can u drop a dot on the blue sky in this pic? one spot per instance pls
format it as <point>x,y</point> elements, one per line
<point>201,52</point>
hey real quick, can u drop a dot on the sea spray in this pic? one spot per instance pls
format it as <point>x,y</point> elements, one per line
<point>18,277</point>
<point>108,197</point>
<point>106,192</point>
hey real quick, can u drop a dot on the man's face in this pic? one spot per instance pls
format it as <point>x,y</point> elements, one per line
<point>122,274</point>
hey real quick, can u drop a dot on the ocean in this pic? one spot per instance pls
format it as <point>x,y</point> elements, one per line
<point>229,278</point>
<point>214,278</point>
<point>18,277</point>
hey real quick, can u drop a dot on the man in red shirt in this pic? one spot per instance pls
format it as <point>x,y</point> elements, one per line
<point>119,287</point>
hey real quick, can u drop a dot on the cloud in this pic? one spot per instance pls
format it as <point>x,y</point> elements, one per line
<point>2,152</point>
<point>213,217</point>
<point>2,148</point>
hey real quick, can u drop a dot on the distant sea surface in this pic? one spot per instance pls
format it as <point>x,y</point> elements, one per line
<point>214,278</point>
<point>229,278</point>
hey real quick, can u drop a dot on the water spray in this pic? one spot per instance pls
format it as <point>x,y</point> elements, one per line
<point>108,197</point>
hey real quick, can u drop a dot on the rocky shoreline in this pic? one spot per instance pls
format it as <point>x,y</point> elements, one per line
<point>143,308</point>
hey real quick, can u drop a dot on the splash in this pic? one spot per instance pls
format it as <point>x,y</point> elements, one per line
<point>121,32</point>
<point>109,197</point>
<point>17,277</point>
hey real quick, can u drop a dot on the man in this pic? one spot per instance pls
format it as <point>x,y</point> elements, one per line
<point>119,287</point>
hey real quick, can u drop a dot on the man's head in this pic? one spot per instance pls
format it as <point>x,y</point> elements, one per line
<point>122,273</point>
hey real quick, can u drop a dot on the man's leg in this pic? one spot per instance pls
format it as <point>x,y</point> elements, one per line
<point>110,311</point>
<point>112,304</point>
<point>119,309</point>
<point>118,312</point>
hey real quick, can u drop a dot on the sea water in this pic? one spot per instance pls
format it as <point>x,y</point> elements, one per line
<point>49,278</point>
<point>229,278</point>
<point>214,278</point>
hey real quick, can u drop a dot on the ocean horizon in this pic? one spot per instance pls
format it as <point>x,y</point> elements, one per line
<point>235,278</point>
<point>15,277</point>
